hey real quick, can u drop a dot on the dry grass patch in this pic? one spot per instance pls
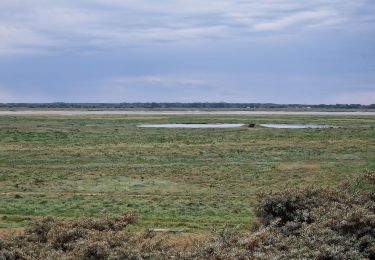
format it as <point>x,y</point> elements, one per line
<point>5,232</point>
<point>298,166</point>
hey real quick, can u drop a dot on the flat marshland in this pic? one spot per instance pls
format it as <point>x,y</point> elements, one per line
<point>190,179</point>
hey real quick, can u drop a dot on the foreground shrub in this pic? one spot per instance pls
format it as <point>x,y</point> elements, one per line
<point>307,223</point>
<point>84,238</point>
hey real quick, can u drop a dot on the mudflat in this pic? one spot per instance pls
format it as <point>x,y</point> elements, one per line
<point>187,112</point>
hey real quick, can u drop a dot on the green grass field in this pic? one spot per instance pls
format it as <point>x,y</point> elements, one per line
<point>182,178</point>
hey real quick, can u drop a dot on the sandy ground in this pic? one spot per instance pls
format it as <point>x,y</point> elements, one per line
<point>191,112</point>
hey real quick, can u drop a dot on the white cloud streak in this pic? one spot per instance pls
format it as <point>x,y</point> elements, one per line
<point>295,18</point>
<point>9,96</point>
<point>169,81</point>
<point>357,97</point>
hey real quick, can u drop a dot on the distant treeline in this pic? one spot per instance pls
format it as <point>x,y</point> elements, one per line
<point>154,105</point>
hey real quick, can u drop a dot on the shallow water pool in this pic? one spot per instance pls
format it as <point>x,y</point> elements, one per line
<point>190,125</point>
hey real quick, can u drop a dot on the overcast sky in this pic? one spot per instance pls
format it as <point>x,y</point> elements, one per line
<point>281,51</point>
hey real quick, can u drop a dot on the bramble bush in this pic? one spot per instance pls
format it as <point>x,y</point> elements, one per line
<point>305,223</point>
<point>83,238</point>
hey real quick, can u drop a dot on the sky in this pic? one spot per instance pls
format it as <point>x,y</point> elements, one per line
<point>279,51</point>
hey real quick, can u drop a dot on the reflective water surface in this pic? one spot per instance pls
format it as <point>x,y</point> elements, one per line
<point>190,125</point>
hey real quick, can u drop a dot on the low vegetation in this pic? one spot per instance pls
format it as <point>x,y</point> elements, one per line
<point>190,179</point>
<point>304,223</point>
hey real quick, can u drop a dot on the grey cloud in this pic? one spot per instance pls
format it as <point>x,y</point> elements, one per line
<point>353,97</point>
<point>287,51</point>
<point>41,24</point>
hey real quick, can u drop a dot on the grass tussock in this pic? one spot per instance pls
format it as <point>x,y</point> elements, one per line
<point>305,223</point>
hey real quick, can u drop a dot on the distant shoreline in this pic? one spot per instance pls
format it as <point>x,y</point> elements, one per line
<point>181,112</point>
